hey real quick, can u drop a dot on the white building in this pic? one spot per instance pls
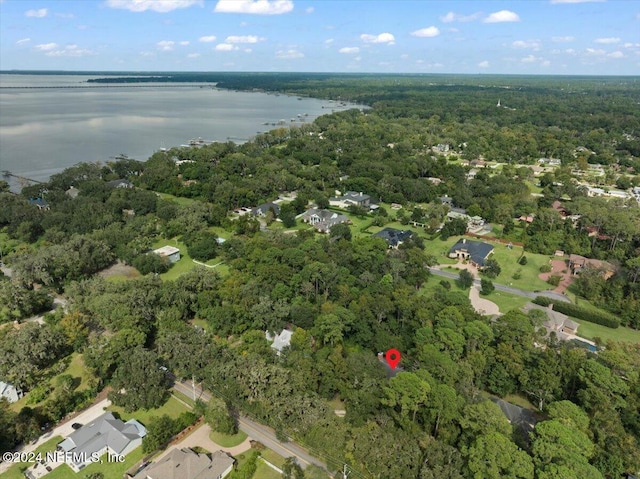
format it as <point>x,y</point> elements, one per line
<point>170,252</point>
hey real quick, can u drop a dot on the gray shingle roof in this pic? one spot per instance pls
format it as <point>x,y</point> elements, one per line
<point>393,236</point>
<point>477,250</point>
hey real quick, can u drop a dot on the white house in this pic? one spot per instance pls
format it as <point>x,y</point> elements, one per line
<point>170,252</point>
<point>10,392</point>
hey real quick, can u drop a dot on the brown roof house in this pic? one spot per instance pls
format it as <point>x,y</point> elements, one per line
<point>187,464</point>
<point>577,263</point>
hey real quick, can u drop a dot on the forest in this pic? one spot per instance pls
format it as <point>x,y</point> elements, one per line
<point>346,296</point>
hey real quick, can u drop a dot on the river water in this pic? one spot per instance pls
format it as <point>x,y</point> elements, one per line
<point>44,130</point>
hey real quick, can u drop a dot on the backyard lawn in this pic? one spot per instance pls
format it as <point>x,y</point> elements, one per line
<point>110,470</point>
<point>228,440</point>
<point>172,408</point>
<point>592,330</point>
<point>265,472</point>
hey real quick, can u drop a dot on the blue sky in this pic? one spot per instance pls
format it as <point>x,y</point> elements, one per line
<point>588,37</point>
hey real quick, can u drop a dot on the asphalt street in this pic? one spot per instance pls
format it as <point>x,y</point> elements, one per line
<point>506,289</point>
<point>257,431</point>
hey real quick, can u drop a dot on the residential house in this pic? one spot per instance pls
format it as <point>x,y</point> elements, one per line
<point>40,202</point>
<point>446,200</point>
<point>350,198</point>
<point>105,434</point>
<point>10,392</point>
<point>280,341</point>
<point>264,209</point>
<point>187,464</point>
<point>323,220</point>
<point>170,252</point>
<point>577,263</point>
<point>120,184</point>
<point>393,237</point>
<point>476,252</point>
<point>72,192</point>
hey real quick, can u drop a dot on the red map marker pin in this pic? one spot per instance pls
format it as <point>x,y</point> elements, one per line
<point>393,357</point>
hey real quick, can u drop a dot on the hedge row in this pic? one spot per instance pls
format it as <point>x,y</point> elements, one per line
<point>599,317</point>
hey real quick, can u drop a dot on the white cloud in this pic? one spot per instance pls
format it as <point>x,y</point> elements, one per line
<point>289,54</point>
<point>329,41</point>
<point>184,43</point>
<point>570,51</point>
<point>404,56</point>
<point>160,6</point>
<point>607,41</point>
<point>257,7</point>
<point>225,47</point>
<point>207,39</point>
<point>69,51</point>
<point>193,55</point>
<point>484,64</point>
<point>165,45</point>
<point>562,39</point>
<point>616,54</point>
<point>44,47</point>
<point>380,38</point>
<point>529,59</point>
<point>309,10</point>
<point>65,15</point>
<point>23,41</point>
<point>243,39</point>
<point>502,16</point>
<point>247,50</point>
<point>456,17</point>
<point>349,50</point>
<point>41,13</point>
<point>594,51</point>
<point>531,44</point>
<point>428,32</point>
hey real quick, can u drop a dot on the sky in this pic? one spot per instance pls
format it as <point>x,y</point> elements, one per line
<point>550,37</point>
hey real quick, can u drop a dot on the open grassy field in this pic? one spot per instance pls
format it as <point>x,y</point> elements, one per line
<point>172,408</point>
<point>178,199</point>
<point>507,301</point>
<point>592,331</point>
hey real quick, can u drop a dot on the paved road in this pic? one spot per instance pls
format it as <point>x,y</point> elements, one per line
<point>257,431</point>
<point>506,289</point>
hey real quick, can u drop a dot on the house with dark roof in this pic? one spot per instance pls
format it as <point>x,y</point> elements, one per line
<point>476,252</point>
<point>187,464</point>
<point>393,237</point>
<point>263,209</point>
<point>105,434</point>
<point>323,220</point>
<point>350,198</point>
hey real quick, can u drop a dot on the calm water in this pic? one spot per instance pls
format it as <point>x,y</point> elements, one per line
<point>43,131</point>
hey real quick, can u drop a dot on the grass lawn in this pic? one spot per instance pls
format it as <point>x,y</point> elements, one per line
<point>226,440</point>
<point>273,457</point>
<point>177,199</point>
<point>172,408</point>
<point>16,471</point>
<point>506,301</point>
<point>183,397</point>
<point>265,472</point>
<point>520,401</point>
<point>508,261</point>
<point>110,470</point>
<point>591,331</point>
<point>76,369</point>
